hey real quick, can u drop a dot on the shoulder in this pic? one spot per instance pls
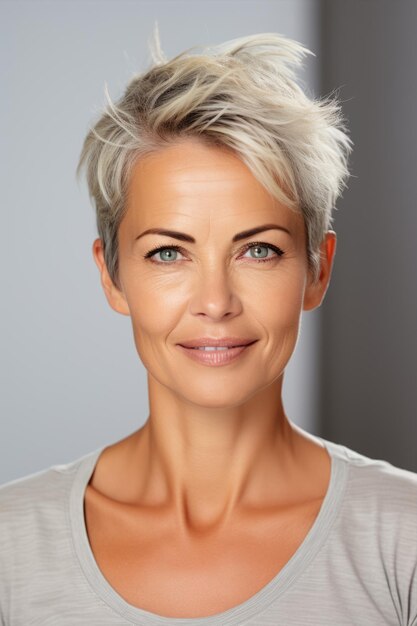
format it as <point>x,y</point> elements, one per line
<point>379,501</point>
<point>34,509</point>
<point>379,506</point>
<point>42,487</point>
<point>36,491</point>
<point>377,481</point>
<point>378,472</point>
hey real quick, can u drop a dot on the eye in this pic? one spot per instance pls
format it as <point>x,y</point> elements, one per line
<point>169,253</point>
<point>166,258</point>
<point>261,249</point>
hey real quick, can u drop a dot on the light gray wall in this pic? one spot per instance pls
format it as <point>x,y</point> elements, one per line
<point>71,379</point>
<point>370,314</point>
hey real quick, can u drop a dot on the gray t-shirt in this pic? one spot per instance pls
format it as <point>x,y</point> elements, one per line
<point>356,566</point>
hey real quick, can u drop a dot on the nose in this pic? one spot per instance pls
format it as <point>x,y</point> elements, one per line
<point>214,294</point>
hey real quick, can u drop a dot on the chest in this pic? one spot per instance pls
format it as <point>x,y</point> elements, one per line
<point>152,568</point>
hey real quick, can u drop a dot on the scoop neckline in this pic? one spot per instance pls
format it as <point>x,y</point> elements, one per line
<point>235,615</point>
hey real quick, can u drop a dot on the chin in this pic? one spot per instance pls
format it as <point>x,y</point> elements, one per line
<point>217,395</point>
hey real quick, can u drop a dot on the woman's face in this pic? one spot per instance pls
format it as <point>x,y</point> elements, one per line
<point>214,286</point>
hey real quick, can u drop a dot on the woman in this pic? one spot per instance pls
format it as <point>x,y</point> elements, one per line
<point>214,178</point>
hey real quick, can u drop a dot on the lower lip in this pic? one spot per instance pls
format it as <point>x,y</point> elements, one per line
<point>215,358</point>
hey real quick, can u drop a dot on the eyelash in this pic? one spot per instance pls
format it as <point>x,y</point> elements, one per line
<point>277,250</point>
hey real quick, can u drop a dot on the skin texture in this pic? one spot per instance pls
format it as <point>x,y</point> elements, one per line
<point>218,480</point>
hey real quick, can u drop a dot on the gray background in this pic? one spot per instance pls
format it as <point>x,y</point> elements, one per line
<point>369,365</point>
<point>71,379</point>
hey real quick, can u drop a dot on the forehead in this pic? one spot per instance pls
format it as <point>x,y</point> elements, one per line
<point>192,181</point>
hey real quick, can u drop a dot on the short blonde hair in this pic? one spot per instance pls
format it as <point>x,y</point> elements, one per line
<point>241,95</point>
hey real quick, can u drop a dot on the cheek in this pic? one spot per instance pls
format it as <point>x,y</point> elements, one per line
<point>154,304</point>
<point>279,312</point>
<point>281,297</point>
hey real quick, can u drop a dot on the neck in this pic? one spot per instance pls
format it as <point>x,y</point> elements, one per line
<point>206,464</point>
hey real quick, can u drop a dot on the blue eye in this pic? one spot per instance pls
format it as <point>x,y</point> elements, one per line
<point>161,250</point>
<point>264,257</point>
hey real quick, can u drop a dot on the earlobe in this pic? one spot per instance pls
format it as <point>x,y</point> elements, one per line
<point>316,290</point>
<point>114,296</point>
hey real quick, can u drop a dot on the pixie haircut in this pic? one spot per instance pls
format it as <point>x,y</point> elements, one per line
<point>240,95</point>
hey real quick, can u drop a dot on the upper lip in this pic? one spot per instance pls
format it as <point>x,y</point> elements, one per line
<point>211,341</point>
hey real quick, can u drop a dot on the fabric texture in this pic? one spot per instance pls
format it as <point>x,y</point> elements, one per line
<point>356,566</point>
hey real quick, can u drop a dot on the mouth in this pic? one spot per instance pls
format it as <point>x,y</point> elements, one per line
<point>214,343</point>
<point>215,356</point>
<point>217,348</point>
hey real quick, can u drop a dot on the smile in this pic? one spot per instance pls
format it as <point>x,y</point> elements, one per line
<point>215,356</point>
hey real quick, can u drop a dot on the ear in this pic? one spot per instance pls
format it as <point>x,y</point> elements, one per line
<point>315,291</point>
<point>115,297</point>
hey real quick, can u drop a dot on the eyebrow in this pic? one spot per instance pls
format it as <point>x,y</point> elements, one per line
<point>238,237</point>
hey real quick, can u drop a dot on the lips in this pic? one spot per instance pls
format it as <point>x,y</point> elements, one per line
<point>228,342</point>
<point>216,357</point>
